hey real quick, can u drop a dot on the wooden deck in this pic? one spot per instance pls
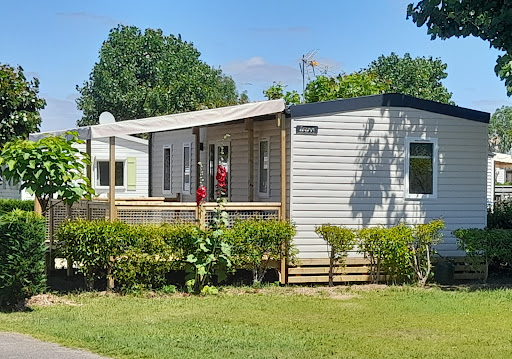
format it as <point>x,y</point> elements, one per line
<point>357,270</point>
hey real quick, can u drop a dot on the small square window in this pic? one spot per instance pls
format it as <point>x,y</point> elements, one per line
<point>104,173</point>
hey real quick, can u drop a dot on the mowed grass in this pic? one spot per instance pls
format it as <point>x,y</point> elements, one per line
<point>390,322</point>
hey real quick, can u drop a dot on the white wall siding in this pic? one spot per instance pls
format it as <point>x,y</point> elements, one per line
<point>352,173</point>
<point>239,172</point>
<point>8,190</point>
<point>490,179</point>
<point>125,148</point>
<point>177,139</point>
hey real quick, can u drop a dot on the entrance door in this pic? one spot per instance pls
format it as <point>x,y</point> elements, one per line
<point>218,154</point>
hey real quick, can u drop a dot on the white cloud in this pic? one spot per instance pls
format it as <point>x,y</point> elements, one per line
<point>60,114</point>
<point>256,70</point>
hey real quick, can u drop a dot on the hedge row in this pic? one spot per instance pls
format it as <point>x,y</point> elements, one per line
<point>140,256</point>
<point>402,252</point>
<point>22,236</point>
<point>8,205</point>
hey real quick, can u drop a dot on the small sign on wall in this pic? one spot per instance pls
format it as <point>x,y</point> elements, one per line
<point>307,130</point>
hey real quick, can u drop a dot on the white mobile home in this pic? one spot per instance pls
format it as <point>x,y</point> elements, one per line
<point>375,160</point>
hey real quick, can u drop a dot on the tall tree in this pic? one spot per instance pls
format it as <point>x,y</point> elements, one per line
<point>19,104</point>
<point>420,77</point>
<point>489,20</point>
<point>361,83</point>
<point>500,130</point>
<point>149,74</point>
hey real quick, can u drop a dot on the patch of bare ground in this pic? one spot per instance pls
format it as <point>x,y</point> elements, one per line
<point>340,293</point>
<point>47,300</point>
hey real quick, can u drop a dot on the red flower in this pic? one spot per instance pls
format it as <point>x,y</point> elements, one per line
<point>221,176</point>
<point>200,195</point>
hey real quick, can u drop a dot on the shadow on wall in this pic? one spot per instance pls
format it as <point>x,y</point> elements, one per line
<point>379,179</point>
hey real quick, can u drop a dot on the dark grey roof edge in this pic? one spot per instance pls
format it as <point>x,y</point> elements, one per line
<point>386,100</point>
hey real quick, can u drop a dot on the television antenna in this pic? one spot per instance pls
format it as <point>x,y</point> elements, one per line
<point>308,61</point>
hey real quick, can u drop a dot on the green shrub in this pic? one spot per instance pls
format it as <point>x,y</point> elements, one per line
<point>7,205</point>
<point>371,243</point>
<point>22,236</point>
<point>402,252</point>
<point>92,245</point>
<point>500,215</point>
<point>490,245</point>
<point>148,258</point>
<point>340,239</point>
<point>255,243</point>
<point>425,236</point>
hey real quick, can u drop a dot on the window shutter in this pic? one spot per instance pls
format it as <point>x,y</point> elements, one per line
<point>131,173</point>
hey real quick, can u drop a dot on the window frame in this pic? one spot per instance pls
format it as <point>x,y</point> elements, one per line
<point>267,192</point>
<point>97,172</point>
<point>435,167</point>
<point>164,148</point>
<point>183,167</point>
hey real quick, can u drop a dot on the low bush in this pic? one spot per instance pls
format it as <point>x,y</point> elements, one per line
<point>92,245</point>
<point>341,240</point>
<point>500,215</point>
<point>255,243</point>
<point>22,236</point>
<point>402,252</point>
<point>494,246</point>
<point>8,205</point>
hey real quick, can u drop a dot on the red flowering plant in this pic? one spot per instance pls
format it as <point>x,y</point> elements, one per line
<point>200,195</point>
<point>212,254</point>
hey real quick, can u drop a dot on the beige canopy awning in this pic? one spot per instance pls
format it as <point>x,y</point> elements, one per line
<point>173,122</point>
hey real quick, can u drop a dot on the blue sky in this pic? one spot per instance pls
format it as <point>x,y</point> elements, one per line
<point>255,42</point>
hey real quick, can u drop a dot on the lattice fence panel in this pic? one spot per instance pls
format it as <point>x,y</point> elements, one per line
<point>234,215</point>
<point>155,216</point>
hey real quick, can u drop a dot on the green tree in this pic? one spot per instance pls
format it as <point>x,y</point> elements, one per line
<point>362,83</point>
<point>500,129</point>
<point>19,104</point>
<point>419,77</point>
<point>276,91</point>
<point>49,166</point>
<point>489,20</point>
<point>149,74</point>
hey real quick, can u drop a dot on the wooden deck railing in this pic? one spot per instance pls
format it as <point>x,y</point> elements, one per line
<point>156,210</point>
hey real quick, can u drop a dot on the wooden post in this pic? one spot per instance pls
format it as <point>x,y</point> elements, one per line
<point>282,125</point>
<point>50,263</point>
<point>112,179</point>
<point>112,200</point>
<point>88,150</point>
<point>37,206</point>
<point>249,126</point>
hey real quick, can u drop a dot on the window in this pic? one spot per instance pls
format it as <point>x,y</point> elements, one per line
<point>167,178</point>
<point>186,167</point>
<point>264,167</point>
<point>103,173</point>
<point>421,168</point>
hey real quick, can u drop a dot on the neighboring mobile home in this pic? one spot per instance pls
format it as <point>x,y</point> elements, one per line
<point>131,169</point>
<point>375,160</point>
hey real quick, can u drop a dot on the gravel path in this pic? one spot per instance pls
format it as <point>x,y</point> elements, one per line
<point>19,346</point>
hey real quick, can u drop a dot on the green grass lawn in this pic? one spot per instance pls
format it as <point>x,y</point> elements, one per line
<point>281,323</point>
